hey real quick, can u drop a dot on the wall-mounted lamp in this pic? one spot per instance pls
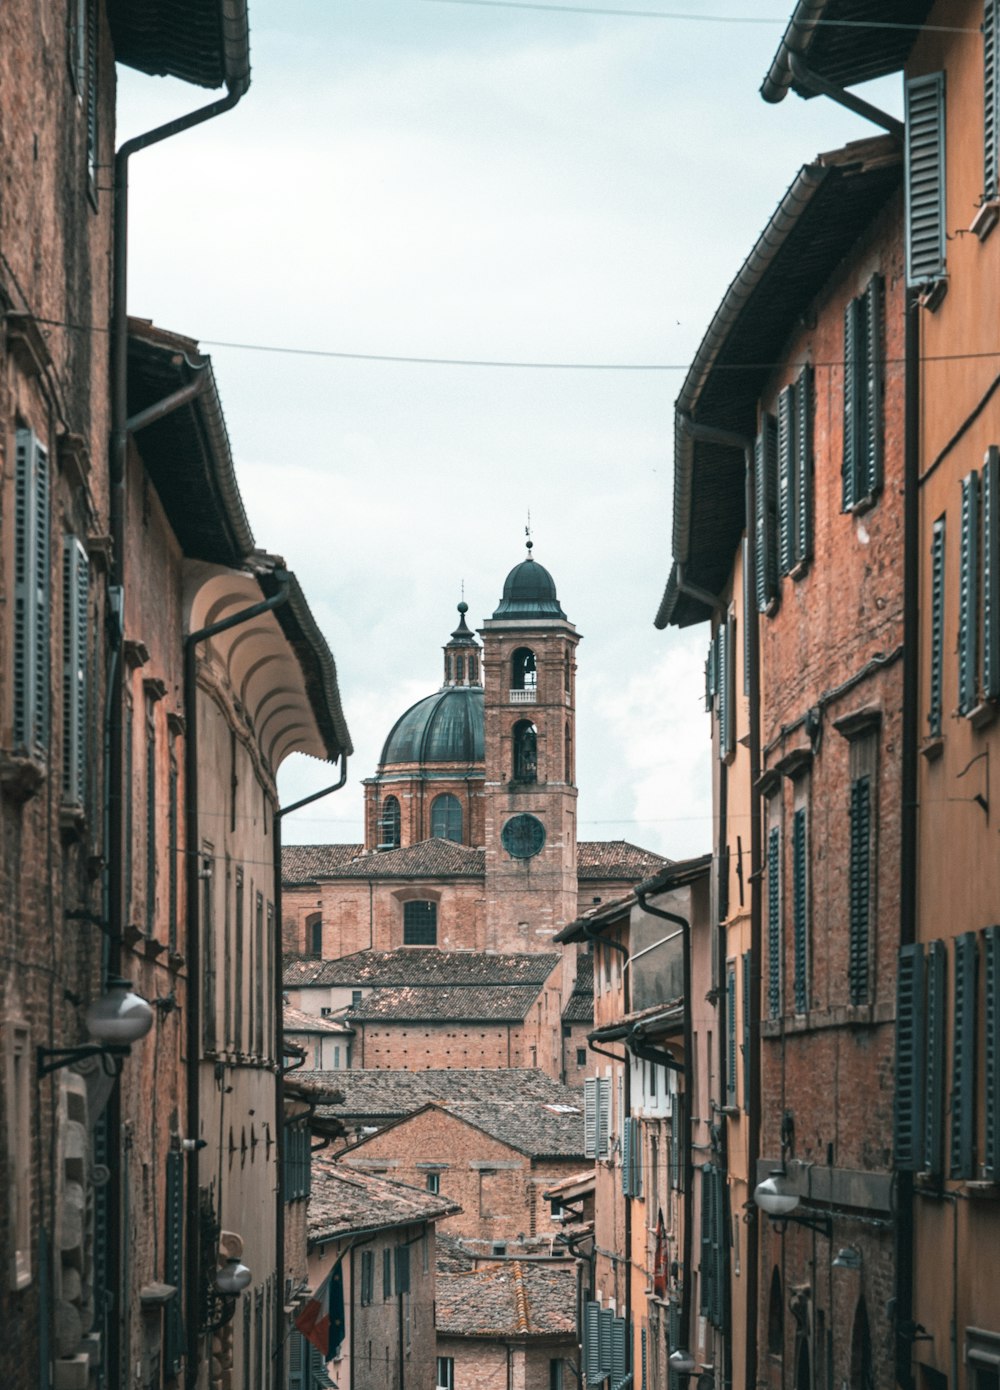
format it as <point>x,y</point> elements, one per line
<point>778,1199</point>
<point>233,1277</point>
<point>681,1362</point>
<point>848,1257</point>
<point>115,1020</point>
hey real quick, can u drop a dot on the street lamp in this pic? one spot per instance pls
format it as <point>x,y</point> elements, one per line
<point>780,1201</point>
<point>115,1020</point>
<point>233,1277</point>
<point>681,1362</point>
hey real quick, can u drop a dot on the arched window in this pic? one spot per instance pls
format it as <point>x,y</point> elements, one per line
<point>446,818</point>
<point>460,667</point>
<point>388,824</point>
<point>525,751</point>
<point>523,672</point>
<point>473,669</point>
<point>775,1317</point>
<point>862,1361</point>
<point>314,935</point>
<point>420,923</point>
<point>568,754</point>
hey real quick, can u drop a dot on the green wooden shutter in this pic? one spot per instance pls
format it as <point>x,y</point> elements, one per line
<point>731,1034</point>
<point>854,375</point>
<point>173,1263</point>
<point>296,1360</point>
<point>935,699</point>
<point>989,483</point>
<point>644,1353</point>
<point>747,615</point>
<point>76,591</point>
<point>803,466</point>
<point>925,179</point>
<point>705,1282</point>
<point>726,643</point>
<point>605,1324</point>
<point>873,317</point>
<point>402,1269</point>
<point>934,1087</point>
<point>908,1098</point>
<point>860,889</point>
<point>991,1058</point>
<point>674,1341</point>
<point>591,1343</point>
<point>963,1071</point>
<point>590,1117</point>
<point>746,1031</point>
<point>619,1350</point>
<point>32,599</point>
<point>627,1158</point>
<point>774,922</point>
<point>603,1116</point>
<point>786,480</point>
<point>765,506</point>
<point>800,910</point>
<point>386,1274</point>
<point>968,594</point>
<point>991,97</point>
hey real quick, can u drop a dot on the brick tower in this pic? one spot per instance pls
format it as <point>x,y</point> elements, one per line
<point>530,795</point>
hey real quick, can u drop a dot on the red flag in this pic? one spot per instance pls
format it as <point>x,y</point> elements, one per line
<point>660,1259</point>
<point>321,1320</point>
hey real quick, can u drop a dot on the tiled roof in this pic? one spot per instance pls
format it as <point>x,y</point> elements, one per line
<point>451,1003</point>
<point>295,1021</point>
<point>580,1005</point>
<point>419,965</point>
<point>429,858</point>
<point>383,1095</point>
<point>577,1183</point>
<point>516,1298</point>
<point>342,1201</point>
<point>538,1128</point>
<point>616,859</point>
<point>451,1256</point>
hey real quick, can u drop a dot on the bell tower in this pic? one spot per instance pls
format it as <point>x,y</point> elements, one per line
<point>529,661</point>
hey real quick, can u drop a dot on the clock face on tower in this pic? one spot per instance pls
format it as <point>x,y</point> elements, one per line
<point>523,836</point>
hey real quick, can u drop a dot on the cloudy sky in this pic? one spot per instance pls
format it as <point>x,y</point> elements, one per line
<point>432,179</point>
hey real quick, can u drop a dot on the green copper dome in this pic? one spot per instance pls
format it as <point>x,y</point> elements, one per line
<point>446,727</point>
<point>529,591</point>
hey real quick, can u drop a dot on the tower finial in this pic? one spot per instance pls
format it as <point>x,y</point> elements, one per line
<point>527,531</point>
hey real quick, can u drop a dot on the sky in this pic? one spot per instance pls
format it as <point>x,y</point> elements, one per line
<point>466,180</point>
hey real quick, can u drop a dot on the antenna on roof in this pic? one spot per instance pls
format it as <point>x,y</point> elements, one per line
<point>527,531</point>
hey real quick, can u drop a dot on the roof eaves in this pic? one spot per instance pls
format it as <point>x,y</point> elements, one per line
<point>845,42</point>
<point>609,914</point>
<point>204,44</point>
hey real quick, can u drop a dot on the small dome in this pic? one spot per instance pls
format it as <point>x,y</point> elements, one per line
<point>446,727</point>
<point>529,591</point>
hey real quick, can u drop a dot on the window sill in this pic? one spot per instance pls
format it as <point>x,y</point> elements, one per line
<point>20,776</point>
<point>932,747</point>
<point>982,715</point>
<point>840,1016</point>
<point>932,296</point>
<point>799,571</point>
<point>986,218</point>
<point>863,504</point>
<point>72,822</point>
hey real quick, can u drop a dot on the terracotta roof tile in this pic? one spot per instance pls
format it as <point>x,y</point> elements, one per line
<point>538,1128</point>
<point>616,859</point>
<point>309,863</point>
<point>301,863</point>
<point>517,1298</point>
<point>343,1201</point>
<point>580,1005</point>
<point>454,1004</point>
<point>419,965</point>
<point>295,1021</point>
<point>386,1095</point>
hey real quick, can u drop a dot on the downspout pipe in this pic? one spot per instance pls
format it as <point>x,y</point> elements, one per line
<point>279,1044</point>
<point>194,943</point>
<point>642,892</point>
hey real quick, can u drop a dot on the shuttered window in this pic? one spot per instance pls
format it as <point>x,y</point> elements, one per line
<point>794,473</point>
<point>803,465</point>
<point>76,593</point>
<point>800,909</point>
<point>968,594</point>
<point>991,97</point>
<point>908,1097</point>
<point>32,598</point>
<point>591,1343</point>
<point>990,499</point>
<point>605,1323</point>
<point>619,1351</point>
<point>746,1031</point>
<point>596,1116</point>
<point>934,1075</point>
<point>747,615</point>
<point>774,922</point>
<point>725,705</point>
<point>864,372</point>
<point>786,480</point>
<point>934,704</point>
<point>90,101</point>
<point>963,1061</point>
<point>731,1033</point>
<point>991,1058</point>
<point>925,179</point>
<point>632,1158</point>
<point>297,1162</point>
<point>765,514</point>
<point>673,1342</point>
<point>173,1263</point>
<point>860,890</point>
<point>713,1236</point>
<point>644,1356</point>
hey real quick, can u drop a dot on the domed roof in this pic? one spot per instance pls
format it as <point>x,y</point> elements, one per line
<point>446,727</point>
<point>529,591</point>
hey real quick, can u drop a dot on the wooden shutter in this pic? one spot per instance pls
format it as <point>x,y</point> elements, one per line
<point>873,326</point>
<point>32,599</point>
<point>935,697</point>
<point>674,1340</point>
<point>991,1057</point>
<point>937,1022</point>
<point>76,590</point>
<point>590,1117</point>
<point>991,97</point>
<point>627,1158</point>
<point>850,467</point>
<point>644,1356</point>
<point>786,480</point>
<point>860,889</point>
<point>774,922</point>
<point>726,643</point>
<point>908,1098</point>
<point>705,1282</point>
<point>296,1360</point>
<point>386,1274</point>
<point>803,466</point>
<point>591,1343</point>
<point>619,1350</point>
<point>747,615</point>
<point>605,1322</point>
<point>765,505</point>
<point>173,1262</point>
<point>990,483</point>
<point>731,1033</point>
<point>925,179</point>
<point>603,1115</point>
<point>746,1031</point>
<point>402,1269</point>
<point>963,1070</point>
<point>968,593</point>
<point>800,909</point>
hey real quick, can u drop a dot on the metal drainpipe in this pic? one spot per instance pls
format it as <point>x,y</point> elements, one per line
<point>192,1253</point>
<point>115,759</point>
<point>642,891</point>
<point>909,788</point>
<point>721,1038</point>
<point>279,1044</point>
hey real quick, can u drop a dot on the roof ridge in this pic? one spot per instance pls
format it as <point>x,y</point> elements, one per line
<point>521,1298</point>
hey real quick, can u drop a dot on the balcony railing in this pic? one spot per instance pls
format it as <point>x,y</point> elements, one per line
<point>523,697</point>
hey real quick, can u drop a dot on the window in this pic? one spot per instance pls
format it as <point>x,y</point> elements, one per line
<point>581,1056</point>
<point>386,1274</point>
<point>523,673</point>
<point>18,1127</point>
<point>556,1381</point>
<point>557,1211</point>
<point>934,702</point>
<point>524,747</point>
<point>31,596</point>
<point>90,99</point>
<point>446,1373</point>
<point>76,581</point>
<point>402,1269</point>
<point>963,1060</point>
<point>979,595</point>
<point>446,818</point>
<point>774,934</point>
<point>765,482</point>
<point>314,935</point>
<point>419,923</point>
<point>258,1029</point>
<point>356,996</point>
<point>238,981</point>
<point>208,998</point>
<point>720,684</point>
<point>861,870</point>
<point>731,1033</point>
<point>388,824</point>
<point>800,899</point>
<point>150,707</point>
<point>795,468</point>
<point>925,179</point>
<point>596,1116</point>
<point>775,1317</point>
<point>864,375</point>
<point>632,1157</point>
<point>367,1277</point>
<point>434,1183</point>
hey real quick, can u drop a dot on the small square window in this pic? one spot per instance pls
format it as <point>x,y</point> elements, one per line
<point>434,1182</point>
<point>581,1056</point>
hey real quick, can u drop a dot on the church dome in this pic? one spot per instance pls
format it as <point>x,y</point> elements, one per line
<point>529,591</point>
<point>446,727</point>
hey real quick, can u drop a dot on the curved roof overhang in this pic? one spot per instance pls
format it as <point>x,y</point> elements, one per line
<point>276,665</point>
<point>206,42</point>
